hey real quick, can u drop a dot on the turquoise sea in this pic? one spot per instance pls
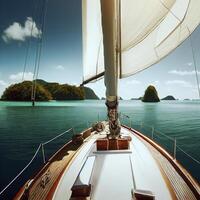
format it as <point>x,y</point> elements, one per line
<point>23,128</point>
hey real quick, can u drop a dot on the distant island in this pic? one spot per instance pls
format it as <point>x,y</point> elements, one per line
<point>169,97</point>
<point>103,98</point>
<point>140,98</point>
<point>150,95</point>
<point>46,91</point>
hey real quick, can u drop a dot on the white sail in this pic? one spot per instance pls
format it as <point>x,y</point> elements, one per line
<point>93,59</point>
<point>151,29</point>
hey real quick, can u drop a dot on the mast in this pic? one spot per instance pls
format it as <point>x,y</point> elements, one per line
<point>126,50</point>
<point>110,40</point>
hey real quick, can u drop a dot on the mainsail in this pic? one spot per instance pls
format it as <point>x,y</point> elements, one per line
<point>93,59</point>
<point>149,30</point>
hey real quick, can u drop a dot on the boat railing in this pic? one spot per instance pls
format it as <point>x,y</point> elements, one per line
<point>171,144</point>
<point>21,172</point>
<point>44,151</point>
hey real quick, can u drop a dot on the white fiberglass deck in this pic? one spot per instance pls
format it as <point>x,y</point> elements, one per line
<point>115,173</point>
<point>112,176</point>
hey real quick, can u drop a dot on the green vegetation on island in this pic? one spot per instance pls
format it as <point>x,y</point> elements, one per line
<point>169,97</point>
<point>22,92</point>
<point>150,95</point>
<point>46,91</point>
<point>89,93</point>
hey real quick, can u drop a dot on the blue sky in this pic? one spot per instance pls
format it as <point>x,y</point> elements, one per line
<point>61,59</point>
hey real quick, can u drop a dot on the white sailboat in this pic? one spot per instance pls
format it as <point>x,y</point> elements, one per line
<point>112,161</point>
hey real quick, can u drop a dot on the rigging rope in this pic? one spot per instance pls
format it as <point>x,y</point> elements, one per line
<point>195,64</point>
<point>1,192</point>
<point>192,48</point>
<point>36,71</point>
<point>39,50</point>
<point>26,58</point>
<point>29,41</point>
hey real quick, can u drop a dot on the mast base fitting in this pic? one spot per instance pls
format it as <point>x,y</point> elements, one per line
<point>114,124</point>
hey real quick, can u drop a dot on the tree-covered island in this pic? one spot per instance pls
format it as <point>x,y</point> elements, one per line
<point>46,91</point>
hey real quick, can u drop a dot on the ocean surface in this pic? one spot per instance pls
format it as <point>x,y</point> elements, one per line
<point>23,128</point>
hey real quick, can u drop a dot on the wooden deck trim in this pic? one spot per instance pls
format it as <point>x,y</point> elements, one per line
<point>187,177</point>
<point>54,187</point>
<point>20,192</point>
<point>40,172</point>
<point>167,181</point>
<point>45,167</point>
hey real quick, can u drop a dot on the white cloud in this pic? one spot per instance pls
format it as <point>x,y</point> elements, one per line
<point>189,64</point>
<point>76,84</point>
<point>18,32</point>
<point>133,82</point>
<point>18,77</point>
<point>60,67</point>
<point>179,83</point>
<point>155,83</point>
<point>3,83</point>
<point>183,73</point>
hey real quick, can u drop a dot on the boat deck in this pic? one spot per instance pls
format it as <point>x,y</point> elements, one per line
<point>55,167</point>
<point>175,182</point>
<point>117,173</point>
<point>177,186</point>
<point>112,174</point>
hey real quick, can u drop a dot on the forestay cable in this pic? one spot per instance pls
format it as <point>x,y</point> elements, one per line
<point>195,65</point>
<point>39,51</point>
<point>29,41</point>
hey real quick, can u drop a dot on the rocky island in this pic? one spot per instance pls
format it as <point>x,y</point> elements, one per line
<point>89,93</point>
<point>150,95</point>
<point>169,97</point>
